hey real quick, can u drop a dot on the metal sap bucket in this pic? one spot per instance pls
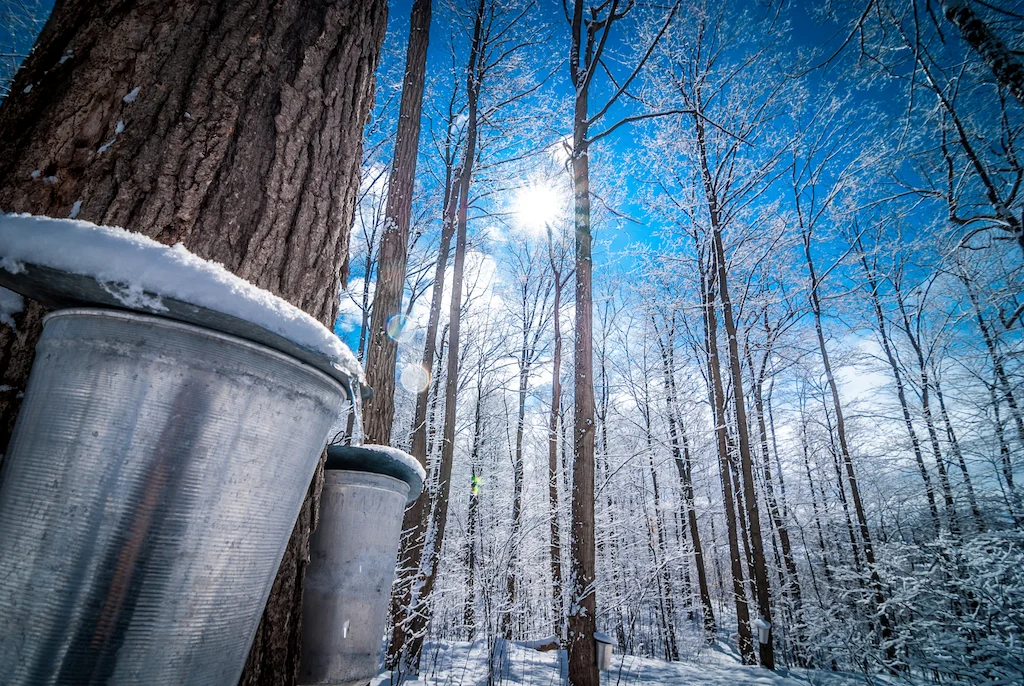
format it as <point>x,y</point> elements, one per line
<point>149,490</point>
<point>352,562</point>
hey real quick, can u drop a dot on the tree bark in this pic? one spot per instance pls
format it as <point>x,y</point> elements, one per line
<point>234,128</point>
<point>1004,65</point>
<point>414,524</point>
<point>555,550</point>
<point>765,649</point>
<point>717,398</point>
<point>583,612</point>
<point>411,648</point>
<point>379,411</point>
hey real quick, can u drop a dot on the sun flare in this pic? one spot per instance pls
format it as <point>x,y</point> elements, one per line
<point>538,205</point>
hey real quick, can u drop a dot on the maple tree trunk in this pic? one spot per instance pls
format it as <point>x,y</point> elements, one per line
<point>379,411</point>
<point>766,651</point>
<point>469,610</point>
<point>234,128</point>
<point>414,523</point>
<point>582,620</point>
<point>517,490</point>
<point>555,551</point>
<point>406,654</point>
<point>717,398</point>
<point>1001,60</point>
<point>791,583</point>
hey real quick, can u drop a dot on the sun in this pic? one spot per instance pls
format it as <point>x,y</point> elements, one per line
<point>537,206</point>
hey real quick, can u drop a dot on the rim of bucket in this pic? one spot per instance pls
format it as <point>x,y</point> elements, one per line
<point>379,459</point>
<point>64,290</point>
<point>177,324</point>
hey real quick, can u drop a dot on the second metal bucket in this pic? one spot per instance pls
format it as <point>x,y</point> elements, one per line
<point>149,490</point>
<point>352,565</point>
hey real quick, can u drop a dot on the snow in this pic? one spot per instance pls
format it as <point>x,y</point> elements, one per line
<point>120,127</point>
<point>465,664</point>
<point>132,94</point>
<point>10,304</point>
<point>132,267</point>
<point>36,174</point>
<point>28,88</point>
<point>103,148</point>
<point>75,209</point>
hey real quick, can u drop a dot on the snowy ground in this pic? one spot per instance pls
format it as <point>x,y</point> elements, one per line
<point>465,664</point>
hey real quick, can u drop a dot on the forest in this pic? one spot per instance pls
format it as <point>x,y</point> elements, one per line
<point>704,318</point>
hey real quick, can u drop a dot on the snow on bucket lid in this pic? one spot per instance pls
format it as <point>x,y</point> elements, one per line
<point>69,262</point>
<point>379,459</point>
<point>603,638</point>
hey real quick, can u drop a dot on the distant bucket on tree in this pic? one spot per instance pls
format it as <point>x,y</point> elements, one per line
<point>352,562</point>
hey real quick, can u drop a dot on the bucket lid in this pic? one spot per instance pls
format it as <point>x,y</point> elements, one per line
<point>379,459</point>
<point>69,263</point>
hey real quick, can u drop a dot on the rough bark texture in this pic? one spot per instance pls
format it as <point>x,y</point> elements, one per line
<point>379,411</point>
<point>756,557</point>
<point>1004,64</point>
<point>716,392</point>
<point>407,646</point>
<point>232,127</point>
<point>583,611</point>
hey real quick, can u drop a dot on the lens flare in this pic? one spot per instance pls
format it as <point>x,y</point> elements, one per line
<point>398,328</point>
<point>414,378</point>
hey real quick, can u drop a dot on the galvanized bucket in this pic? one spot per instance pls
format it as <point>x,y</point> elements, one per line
<point>352,562</point>
<point>147,496</point>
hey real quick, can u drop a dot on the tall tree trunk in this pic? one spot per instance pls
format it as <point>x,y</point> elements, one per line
<point>414,524</point>
<point>805,448</point>
<point>229,104</point>
<point>664,579</point>
<point>379,411</point>
<point>1013,501</point>
<point>555,549</point>
<point>1000,59</point>
<point>997,360</point>
<point>677,433</point>
<point>851,475</point>
<point>717,398</point>
<point>791,587</point>
<point>583,616</point>
<point>765,649</point>
<point>612,557</point>
<point>412,646</point>
<point>469,612</point>
<point>517,488</point>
